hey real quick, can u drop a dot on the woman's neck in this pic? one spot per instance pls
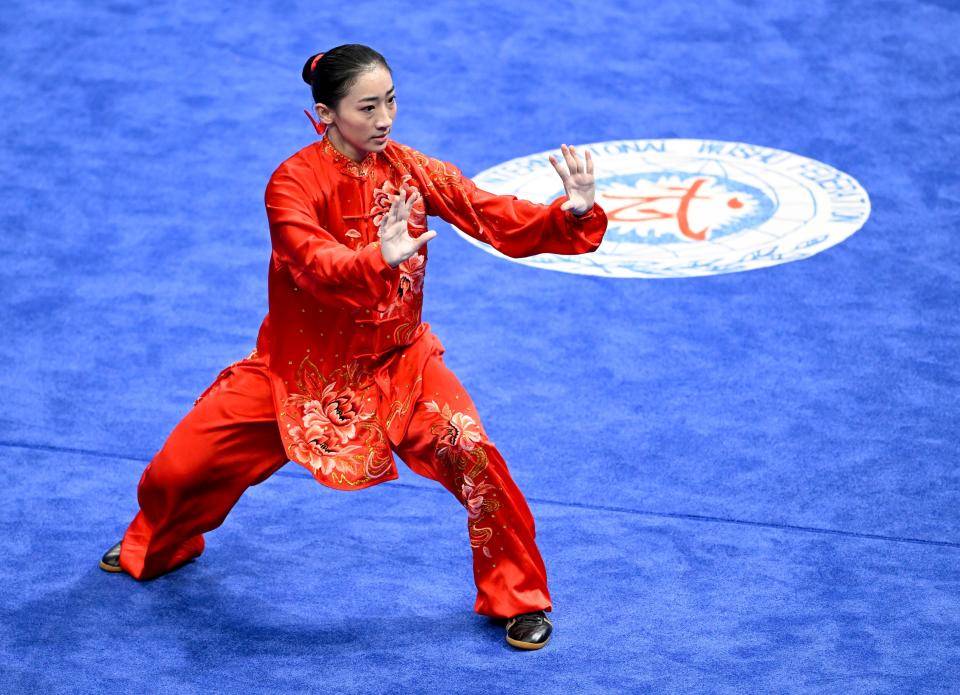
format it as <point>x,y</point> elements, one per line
<point>343,147</point>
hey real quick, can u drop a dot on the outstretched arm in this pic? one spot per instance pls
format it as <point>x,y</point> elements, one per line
<point>569,225</point>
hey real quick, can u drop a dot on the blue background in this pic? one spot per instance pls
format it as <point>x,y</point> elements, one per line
<point>744,482</point>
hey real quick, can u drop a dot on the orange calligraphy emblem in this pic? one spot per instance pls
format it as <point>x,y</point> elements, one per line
<point>637,210</point>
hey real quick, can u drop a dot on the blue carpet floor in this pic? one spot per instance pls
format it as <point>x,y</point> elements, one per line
<point>742,483</point>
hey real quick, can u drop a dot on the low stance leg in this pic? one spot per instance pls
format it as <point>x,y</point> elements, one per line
<point>226,443</point>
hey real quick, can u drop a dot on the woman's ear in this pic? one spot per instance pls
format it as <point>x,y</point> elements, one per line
<point>324,113</point>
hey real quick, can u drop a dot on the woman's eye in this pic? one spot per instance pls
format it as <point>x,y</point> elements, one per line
<point>393,100</point>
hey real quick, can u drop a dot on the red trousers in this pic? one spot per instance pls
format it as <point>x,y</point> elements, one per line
<point>230,441</point>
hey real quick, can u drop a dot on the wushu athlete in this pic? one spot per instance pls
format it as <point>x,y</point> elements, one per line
<point>344,371</point>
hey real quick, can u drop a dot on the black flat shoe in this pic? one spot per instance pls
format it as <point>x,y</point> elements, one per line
<point>110,562</point>
<point>529,630</point>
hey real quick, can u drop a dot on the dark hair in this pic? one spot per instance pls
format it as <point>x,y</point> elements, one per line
<point>338,69</point>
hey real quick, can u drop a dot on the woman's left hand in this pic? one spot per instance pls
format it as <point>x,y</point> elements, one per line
<point>577,179</point>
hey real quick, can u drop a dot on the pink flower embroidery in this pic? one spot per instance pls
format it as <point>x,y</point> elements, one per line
<point>464,431</point>
<point>412,271</point>
<point>459,432</point>
<point>383,199</point>
<point>329,432</point>
<point>411,275</point>
<point>316,448</point>
<point>473,496</point>
<point>338,411</point>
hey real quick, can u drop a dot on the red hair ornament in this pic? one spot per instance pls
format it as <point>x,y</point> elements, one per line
<point>319,127</point>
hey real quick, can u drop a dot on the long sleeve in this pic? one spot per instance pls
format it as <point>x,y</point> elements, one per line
<point>317,262</point>
<point>515,227</point>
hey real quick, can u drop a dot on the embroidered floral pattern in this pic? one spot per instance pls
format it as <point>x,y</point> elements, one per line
<point>473,496</point>
<point>384,196</point>
<point>330,429</point>
<point>459,433</point>
<point>412,271</point>
<point>316,448</point>
<point>409,291</point>
<point>459,439</point>
<point>336,411</point>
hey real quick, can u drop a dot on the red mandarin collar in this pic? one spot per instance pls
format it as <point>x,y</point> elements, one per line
<point>345,164</point>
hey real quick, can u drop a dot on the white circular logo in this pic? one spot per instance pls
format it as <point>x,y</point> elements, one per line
<point>682,208</point>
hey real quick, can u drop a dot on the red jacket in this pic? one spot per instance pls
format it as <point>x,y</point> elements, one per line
<point>343,337</point>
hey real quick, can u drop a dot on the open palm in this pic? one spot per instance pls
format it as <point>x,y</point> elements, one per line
<point>396,244</point>
<point>578,181</point>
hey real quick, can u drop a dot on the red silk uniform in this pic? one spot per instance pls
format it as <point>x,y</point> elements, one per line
<point>345,372</point>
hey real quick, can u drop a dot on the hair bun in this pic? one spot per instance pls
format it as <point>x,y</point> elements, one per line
<point>308,67</point>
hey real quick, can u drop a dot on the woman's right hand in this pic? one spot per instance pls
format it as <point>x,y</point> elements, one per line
<point>396,244</point>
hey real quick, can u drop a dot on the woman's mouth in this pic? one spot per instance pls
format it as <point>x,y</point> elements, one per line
<point>381,138</point>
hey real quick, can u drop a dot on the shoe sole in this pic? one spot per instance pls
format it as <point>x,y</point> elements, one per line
<point>109,568</point>
<point>114,568</point>
<point>527,645</point>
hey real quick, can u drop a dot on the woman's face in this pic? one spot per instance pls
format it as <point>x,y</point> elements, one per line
<point>364,117</point>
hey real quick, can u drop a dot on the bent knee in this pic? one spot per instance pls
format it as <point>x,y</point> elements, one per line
<point>172,472</point>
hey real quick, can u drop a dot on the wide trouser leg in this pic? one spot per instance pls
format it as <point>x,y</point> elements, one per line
<point>227,442</point>
<point>445,442</point>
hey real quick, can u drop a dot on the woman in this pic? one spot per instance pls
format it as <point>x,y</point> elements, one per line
<point>344,371</point>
